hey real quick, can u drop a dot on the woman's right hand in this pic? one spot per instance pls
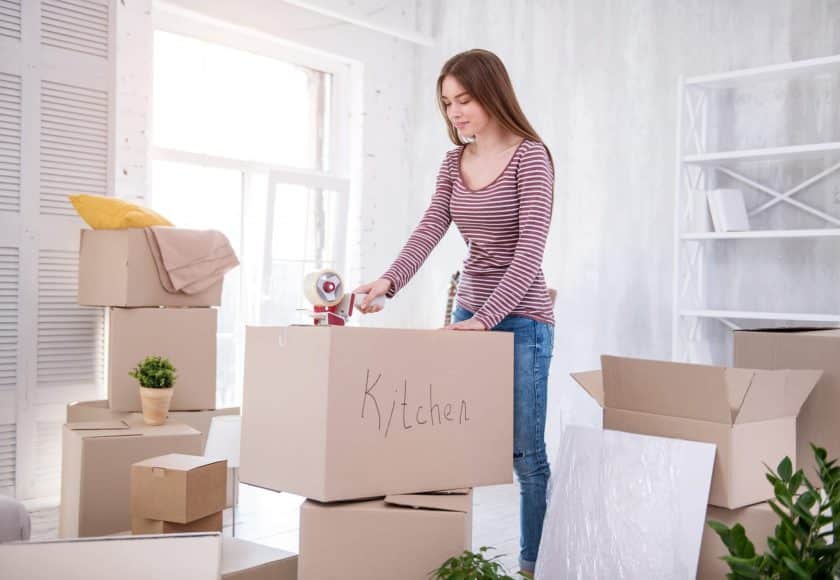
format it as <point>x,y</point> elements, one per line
<point>373,290</point>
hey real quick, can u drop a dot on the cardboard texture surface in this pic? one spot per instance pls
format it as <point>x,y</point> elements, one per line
<point>243,560</point>
<point>96,472</point>
<point>798,348</point>
<point>178,488</point>
<point>211,523</point>
<point>625,507</point>
<point>373,412</point>
<point>116,268</point>
<point>186,336</point>
<point>384,538</point>
<point>759,522</point>
<point>749,414</point>
<point>185,557</point>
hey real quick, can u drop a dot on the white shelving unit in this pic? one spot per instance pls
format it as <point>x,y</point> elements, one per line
<point>695,167</point>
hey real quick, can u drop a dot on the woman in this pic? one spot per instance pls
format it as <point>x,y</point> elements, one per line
<point>498,189</point>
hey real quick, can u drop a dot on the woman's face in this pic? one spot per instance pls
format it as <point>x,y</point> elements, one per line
<point>462,110</point>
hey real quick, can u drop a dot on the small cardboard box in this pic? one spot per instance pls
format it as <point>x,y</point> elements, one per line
<point>799,348</point>
<point>116,268</point>
<point>186,557</point>
<point>177,488</point>
<point>243,560</point>
<point>376,411</point>
<point>758,520</point>
<point>749,414</point>
<point>401,536</point>
<point>96,470</point>
<point>186,336</point>
<point>211,523</point>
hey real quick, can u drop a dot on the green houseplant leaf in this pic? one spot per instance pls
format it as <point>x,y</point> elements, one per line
<point>155,372</point>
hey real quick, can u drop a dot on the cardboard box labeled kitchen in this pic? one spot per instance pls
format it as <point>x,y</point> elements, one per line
<point>749,414</point>
<point>177,488</point>
<point>186,336</point>
<point>338,413</point>
<point>799,348</point>
<point>402,537</point>
<point>211,523</point>
<point>185,557</point>
<point>243,560</point>
<point>759,522</point>
<point>96,470</point>
<point>116,268</point>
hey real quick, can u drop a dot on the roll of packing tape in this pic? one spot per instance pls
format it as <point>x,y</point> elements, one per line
<point>323,288</point>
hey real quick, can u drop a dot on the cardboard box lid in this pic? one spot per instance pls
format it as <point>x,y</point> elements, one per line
<point>239,555</point>
<point>700,392</point>
<point>178,462</point>
<point>454,501</point>
<point>817,330</point>
<point>128,427</point>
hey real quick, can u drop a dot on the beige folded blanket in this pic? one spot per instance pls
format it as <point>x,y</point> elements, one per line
<point>190,261</point>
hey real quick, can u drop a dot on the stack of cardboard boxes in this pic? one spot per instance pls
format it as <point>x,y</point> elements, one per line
<point>749,412</point>
<point>102,439</point>
<point>386,432</point>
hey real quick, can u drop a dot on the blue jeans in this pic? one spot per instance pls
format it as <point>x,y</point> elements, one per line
<point>533,342</point>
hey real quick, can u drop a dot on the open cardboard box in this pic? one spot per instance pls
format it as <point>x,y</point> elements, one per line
<point>749,414</point>
<point>367,412</point>
<point>400,536</point>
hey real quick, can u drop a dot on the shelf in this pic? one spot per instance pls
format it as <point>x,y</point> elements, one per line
<point>772,153</point>
<point>792,316</point>
<point>744,77</point>
<point>763,234</point>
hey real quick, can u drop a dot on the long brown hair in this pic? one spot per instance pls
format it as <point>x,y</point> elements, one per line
<point>486,79</point>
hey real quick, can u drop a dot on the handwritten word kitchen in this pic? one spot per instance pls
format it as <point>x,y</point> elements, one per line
<point>430,413</point>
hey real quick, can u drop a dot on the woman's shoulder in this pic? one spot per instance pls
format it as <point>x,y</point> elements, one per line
<point>533,148</point>
<point>452,159</point>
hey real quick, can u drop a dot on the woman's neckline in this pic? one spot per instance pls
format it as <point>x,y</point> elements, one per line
<point>497,178</point>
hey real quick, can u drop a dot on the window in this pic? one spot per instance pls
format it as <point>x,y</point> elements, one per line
<point>242,143</point>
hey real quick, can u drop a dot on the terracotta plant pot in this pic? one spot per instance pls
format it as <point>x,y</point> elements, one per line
<point>155,404</point>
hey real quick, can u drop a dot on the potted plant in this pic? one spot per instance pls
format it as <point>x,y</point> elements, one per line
<point>805,541</point>
<point>472,566</point>
<point>156,376</point>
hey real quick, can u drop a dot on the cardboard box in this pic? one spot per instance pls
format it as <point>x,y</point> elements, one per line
<point>96,470</point>
<point>364,412</point>
<point>186,557</point>
<point>186,336</point>
<point>211,523</point>
<point>177,488</point>
<point>384,539</point>
<point>798,348</point>
<point>759,521</point>
<point>199,420</point>
<point>81,411</point>
<point>243,560</point>
<point>116,268</point>
<point>749,414</point>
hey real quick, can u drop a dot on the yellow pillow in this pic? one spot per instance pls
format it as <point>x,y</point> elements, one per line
<point>109,213</point>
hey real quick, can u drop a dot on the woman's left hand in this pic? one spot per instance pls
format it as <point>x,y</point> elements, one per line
<point>468,324</point>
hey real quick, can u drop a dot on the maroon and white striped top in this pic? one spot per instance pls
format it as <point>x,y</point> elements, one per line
<point>505,226</point>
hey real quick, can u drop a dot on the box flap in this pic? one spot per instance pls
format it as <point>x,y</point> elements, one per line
<point>178,462</point>
<point>673,389</point>
<point>97,425</point>
<point>593,383</point>
<point>775,394</point>
<point>451,502</point>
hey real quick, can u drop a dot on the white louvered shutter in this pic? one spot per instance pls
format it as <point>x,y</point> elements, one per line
<point>56,100</point>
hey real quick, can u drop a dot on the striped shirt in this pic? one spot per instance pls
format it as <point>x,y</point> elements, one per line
<point>504,224</point>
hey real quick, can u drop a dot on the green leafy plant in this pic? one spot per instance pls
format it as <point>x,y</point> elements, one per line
<point>472,566</point>
<point>155,372</point>
<point>802,546</point>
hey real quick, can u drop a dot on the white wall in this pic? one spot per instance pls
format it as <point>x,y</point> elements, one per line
<point>597,78</point>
